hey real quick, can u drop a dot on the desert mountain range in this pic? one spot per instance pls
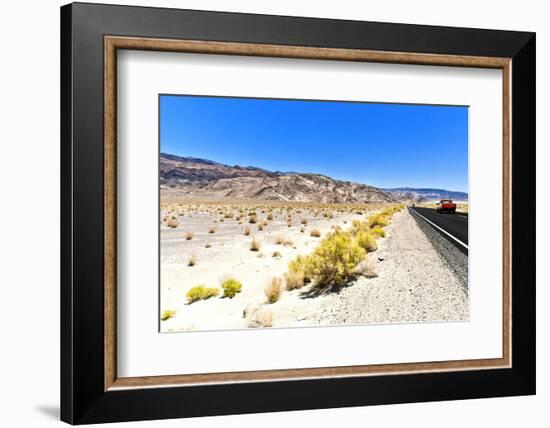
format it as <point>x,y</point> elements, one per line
<point>202,177</point>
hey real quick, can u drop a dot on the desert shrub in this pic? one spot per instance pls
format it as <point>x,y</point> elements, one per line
<point>255,245</point>
<point>315,233</point>
<point>231,287</point>
<point>367,267</point>
<point>273,289</point>
<point>378,220</point>
<point>252,219</point>
<point>378,232</point>
<point>192,260</point>
<point>276,254</point>
<point>261,317</point>
<point>281,240</point>
<point>167,314</point>
<point>358,226</point>
<point>212,229</point>
<point>304,222</point>
<point>333,262</point>
<point>302,230</point>
<point>201,292</point>
<point>270,216</point>
<point>189,236</point>
<point>172,222</point>
<point>246,231</point>
<point>228,215</point>
<point>260,227</point>
<point>300,266</point>
<point>366,241</point>
<point>294,280</point>
<point>207,245</point>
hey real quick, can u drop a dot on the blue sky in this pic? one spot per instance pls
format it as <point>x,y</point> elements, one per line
<point>384,145</point>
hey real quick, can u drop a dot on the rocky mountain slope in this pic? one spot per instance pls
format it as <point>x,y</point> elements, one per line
<point>425,195</point>
<point>201,177</point>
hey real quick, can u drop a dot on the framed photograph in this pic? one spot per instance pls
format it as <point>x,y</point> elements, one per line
<point>265,213</point>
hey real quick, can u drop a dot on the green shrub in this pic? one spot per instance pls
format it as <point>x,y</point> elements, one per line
<point>366,241</point>
<point>378,232</point>
<point>333,261</point>
<point>167,314</point>
<point>201,292</point>
<point>231,287</point>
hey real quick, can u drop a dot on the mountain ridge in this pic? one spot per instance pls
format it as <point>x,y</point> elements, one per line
<point>203,177</point>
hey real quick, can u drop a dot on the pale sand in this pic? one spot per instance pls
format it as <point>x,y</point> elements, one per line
<point>417,276</point>
<point>230,255</point>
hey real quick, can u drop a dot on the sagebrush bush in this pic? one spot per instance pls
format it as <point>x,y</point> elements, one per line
<point>167,314</point>
<point>300,266</point>
<point>273,289</point>
<point>333,261</point>
<point>246,231</point>
<point>378,220</point>
<point>212,229</point>
<point>201,292</point>
<point>189,236</point>
<point>378,232</point>
<point>366,241</point>
<point>192,260</point>
<point>231,287</point>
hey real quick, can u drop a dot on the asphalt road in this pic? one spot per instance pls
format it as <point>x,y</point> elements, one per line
<point>455,225</point>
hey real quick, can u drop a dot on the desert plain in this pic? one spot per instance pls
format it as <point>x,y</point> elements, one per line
<point>410,274</point>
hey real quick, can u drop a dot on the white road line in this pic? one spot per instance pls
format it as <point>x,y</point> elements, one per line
<point>438,228</point>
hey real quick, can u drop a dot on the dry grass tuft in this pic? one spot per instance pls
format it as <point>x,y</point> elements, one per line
<point>273,289</point>
<point>189,236</point>
<point>172,222</point>
<point>261,318</point>
<point>192,260</point>
<point>315,233</point>
<point>255,245</point>
<point>294,280</point>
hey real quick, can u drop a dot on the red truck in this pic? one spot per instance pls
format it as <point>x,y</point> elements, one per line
<point>446,206</point>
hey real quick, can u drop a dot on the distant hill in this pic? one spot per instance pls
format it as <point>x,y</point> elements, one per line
<point>202,177</point>
<point>422,195</point>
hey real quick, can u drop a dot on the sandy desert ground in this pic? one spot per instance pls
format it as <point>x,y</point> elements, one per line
<point>416,278</point>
